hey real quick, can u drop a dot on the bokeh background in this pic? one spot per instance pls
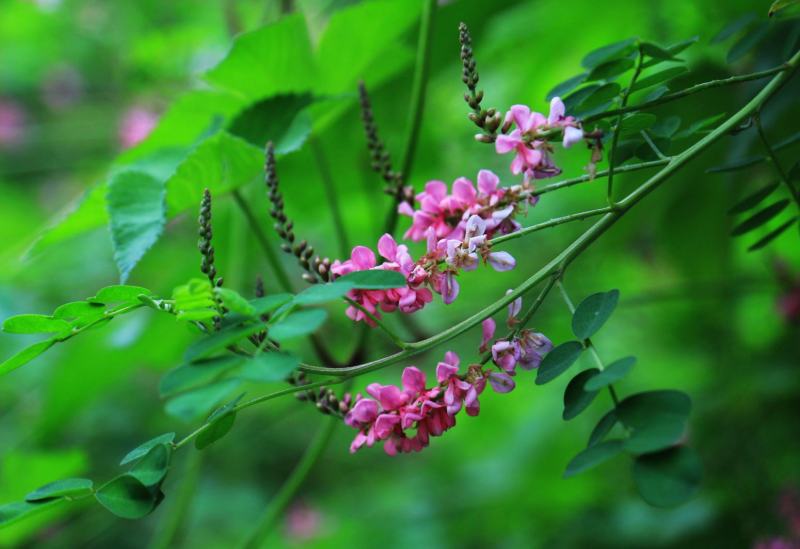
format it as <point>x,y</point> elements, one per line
<point>82,81</point>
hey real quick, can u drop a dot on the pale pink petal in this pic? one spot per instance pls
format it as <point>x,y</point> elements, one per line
<point>488,327</point>
<point>572,136</point>
<point>507,143</point>
<point>464,191</point>
<point>450,289</point>
<point>404,208</point>
<point>501,382</point>
<point>487,181</point>
<point>557,111</point>
<point>476,226</point>
<point>520,115</point>
<point>501,261</point>
<point>436,189</point>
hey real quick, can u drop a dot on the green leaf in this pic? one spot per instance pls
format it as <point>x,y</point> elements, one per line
<point>68,487</point>
<point>666,127</point>
<point>603,427</point>
<point>634,123</point>
<point>752,161</point>
<point>152,468</point>
<point>610,69</point>
<point>558,361</point>
<point>701,126</point>
<point>270,366</point>
<point>367,35</point>
<point>323,293</point>
<point>297,324</point>
<point>576,397</point>
<point>119,293</point>
<point>79,313</point>
<point>137,215</point>
<point>376,279</point>
<point>567,86</point>
<point>219,423</point>
<point>217,429</point>
<point>659,78</point>
<point>778,5</point>
<point>282,119</point>
<point>11,513</point>
<point>593,312</point>
<point>734,27</point>
<point>25,355</point>
<point>616,50</point>
<point>235,302</point>
<point>598,100</point>
<point>34,324</point>
<point>194,404</point>
<point>760,218</point>
<point>267,304</point>
<point>207,346</point>
<point>192,375</point>
<point>577,97</point>
<point>220,164</point>
<point>748,42</point>
<point>772,235</point>
<point>668,478</point>
<point>128,498</point>
<point>612,373</point>
<point>145,447</point>
<point>656,52</point>
<point>754,199</point>
<point>657,419</point>
<point>195,300</point>
<point>268,61</point>
<point>592,457</point>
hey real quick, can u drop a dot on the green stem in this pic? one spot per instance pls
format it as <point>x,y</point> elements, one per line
<point>272,258</point>
<point>653,146</point>
<point>587,342</point>
<point>417,105</point>
<point>588,178</point>
<point>284,496</point>
<point>331,195</point>
<point>550,223</point>
<point>618,129</point>
<point>689,91</point>
<point>562,260</point>
<point>775,162</point>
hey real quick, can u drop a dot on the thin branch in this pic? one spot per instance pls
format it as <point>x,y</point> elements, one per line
<point>690,91</point>
<point>550,223</point>
<point>269,253</point>
<point>588,178</point>
<point>417,105</point>
<point>618,129</point>
<point>381,325</point>
<point>653,146</point>
<point>293,482</point>
<point>775,162</point>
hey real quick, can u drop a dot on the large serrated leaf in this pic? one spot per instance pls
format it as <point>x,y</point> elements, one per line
<point>137,215</point>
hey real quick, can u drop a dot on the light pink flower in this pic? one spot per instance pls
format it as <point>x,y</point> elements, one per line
<point>136,125</point>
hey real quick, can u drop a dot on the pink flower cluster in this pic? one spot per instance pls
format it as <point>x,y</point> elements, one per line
<point>408,299</point>
<point>447,214</point>
<point>533,152</point>
<point>526,348</point>
<point>394,411</point>
<point>423,277</point>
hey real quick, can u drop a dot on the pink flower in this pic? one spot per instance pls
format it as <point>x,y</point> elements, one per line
<point>136,125</point>
<point>501,382</point>
<point>506,354</point>
<point>488,328</point>
<point>463,254</point>
<point>532,152</point>
<point>12,123</point>
<point>533,346</point>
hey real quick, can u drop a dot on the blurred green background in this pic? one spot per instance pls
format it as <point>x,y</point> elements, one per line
<point>82,80</point>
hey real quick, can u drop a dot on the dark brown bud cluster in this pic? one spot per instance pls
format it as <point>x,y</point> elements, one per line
<point>316,269</point>
<point>381,160</point>
<point>204,242</point>
<point>488,120</point>
<point>323,398</point>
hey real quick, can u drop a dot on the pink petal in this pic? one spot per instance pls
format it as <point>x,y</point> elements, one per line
<point>436,189</point>
<point>450,289</point>
<point>445,371</point>
<point>476,226</point>
<point>501,382</point>
<point>387,247</point>
<point>404,208</point>
<point>572,136</point>
<point>413,380</point>
<point>364,411</point>
<point>507,143</point>
<point>501,261</point>
<point>488,326</point>
<point>384,425</point>
<point>363,257</point>
<point>557,111</point>
<point>464,191</point>
<point>451,358</point>
<point>520,115</point>
<point>487,181</point>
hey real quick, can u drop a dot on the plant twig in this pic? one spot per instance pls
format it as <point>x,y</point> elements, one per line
<point>775,162</point>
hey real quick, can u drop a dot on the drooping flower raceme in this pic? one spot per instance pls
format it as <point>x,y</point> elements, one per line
<point>404,418</point>
<point>532,151</point>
